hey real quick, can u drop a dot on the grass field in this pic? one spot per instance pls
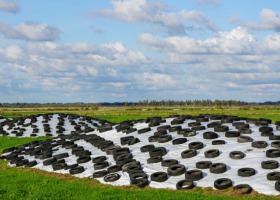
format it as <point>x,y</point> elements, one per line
<point>27,183</point>
<point>118,114</point>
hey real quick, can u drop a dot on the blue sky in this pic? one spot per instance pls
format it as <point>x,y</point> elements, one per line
<point>131,50</point>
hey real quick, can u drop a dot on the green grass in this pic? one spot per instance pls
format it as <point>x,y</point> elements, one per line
<point>29,184</point>
<point>26,183</point>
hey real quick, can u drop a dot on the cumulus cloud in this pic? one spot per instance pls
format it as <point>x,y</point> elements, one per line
<point>269,20</point>
<point>142,11</point>
<point>11,7</point>
<point>69,68</point>
<point>232,64</point>
<point>30,32</point>
<point>237,41</point>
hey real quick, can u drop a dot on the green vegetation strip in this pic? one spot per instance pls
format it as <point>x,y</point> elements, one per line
<point>118,114</point>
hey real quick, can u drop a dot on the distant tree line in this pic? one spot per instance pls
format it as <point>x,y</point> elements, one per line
<point>162,103</point>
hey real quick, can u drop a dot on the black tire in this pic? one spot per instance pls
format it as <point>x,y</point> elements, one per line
<point>160,133</point>
<point>185,185</point>
<point>221,128</point>
<point>273,153</point>
<point>276,144</point>
<point>243,189</point>
<point>177,121</point>
<point>61,155</point>
<point>139,182</point>
<point>158,151</point>
<point>176,170</point>
<point>11,149</point>
<point>245,130</point>
<point>277,186</point>
<point>218,168</point>
<point>126,140</point>
<point>188,133</point>
<point>31,164</point>
<point>243,139</point>
<point>133,169</point>
<point>259,144</point>
<point>175,128</point>
<point>49,161</point>
<point>58,166</point>
<point>222,183</point>
<point>99,159</point>
<point>265,129</point>
<point>218,142</point>
<point>42,156</point>
<point>261,123</point>
<point>127,165</point>
<point>111,177</point>
<point>270,164</point>
<point>102,165</point>
<point>83,159</point>
<point>164,127</point>
<point>133,141</point>
<point>153,138</point>
<point>164,138</point>
<point>231,134</point>
<point>246,172</point>
<point>203,164</point>
<point>159,176</point>
<point>198,128</point>
<point>202,119</point>
<point>114,168</point>
<point>267,134</point>
<point>211,153</point>
<point>193,124</point>
<point>22,162</point>
<point>71,166</point>
<point>138,175</point>
<point>193,175</point>
<point>196,145</point>
<point>179,141</point>
<point>77,170</point>
<point>240,125</point>
<point>147,148</point>
<point>273,176</point>
<point>169,162</point>
<point>189,153</point>
<point>274,137</point>
<point>210,135</point>
<point>154,160</point>
<point>144,130</point>
<point>99,174</point>
<point>236,155</point>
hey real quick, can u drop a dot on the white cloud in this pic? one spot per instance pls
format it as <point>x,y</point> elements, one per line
<point>142,11</point>
<point>30,31</point>
<point>11,7</point>
<point>12,53</point>
<point>119,95</point>
<point>269,20</point>
<point>117,84</point>
<point>238,41</point>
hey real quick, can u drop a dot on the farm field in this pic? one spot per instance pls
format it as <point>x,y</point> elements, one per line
<point>25,183</point>
<point>118,114</point>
